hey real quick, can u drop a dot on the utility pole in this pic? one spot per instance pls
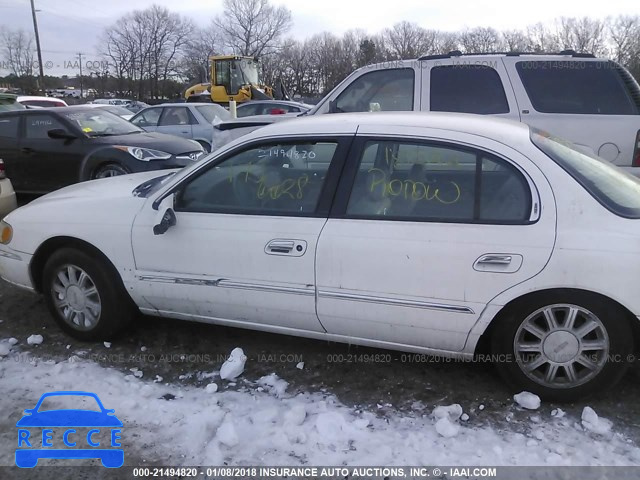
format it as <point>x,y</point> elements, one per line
<point>80,62</point>
<point>35,29</point>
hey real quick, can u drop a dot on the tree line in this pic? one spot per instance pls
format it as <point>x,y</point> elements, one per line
<point>156,53</point>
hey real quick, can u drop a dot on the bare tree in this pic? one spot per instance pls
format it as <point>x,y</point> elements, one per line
<point>406,40</point>
<point>481,40</point>
<point>203,43</point>
<point>542,39</point>
<point>624,33</point>
<point>516,41</point>
<point>252,27</point>
<point>145,47</point>
<point>582,35</point>
<point>17,49</point>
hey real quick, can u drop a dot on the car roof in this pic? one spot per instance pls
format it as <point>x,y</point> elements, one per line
<point>36,97</point>
<point>56,110</point>
<point>348,123</point>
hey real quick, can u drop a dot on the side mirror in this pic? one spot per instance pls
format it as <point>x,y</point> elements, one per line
<point>166,217</point>
<point>61,134</point>
<point>167,221</point>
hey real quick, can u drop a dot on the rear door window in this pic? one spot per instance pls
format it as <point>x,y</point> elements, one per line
<point>9,127</point>
<point>467,89</point>
<point>177,116</point>
<point>579,87</point>
<point>437,182</point>
<point>387,90</point>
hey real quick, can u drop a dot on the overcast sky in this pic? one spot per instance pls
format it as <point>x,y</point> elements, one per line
<point>70,26</point>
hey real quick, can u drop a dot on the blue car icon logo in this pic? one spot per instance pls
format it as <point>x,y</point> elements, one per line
<point>69,433</point>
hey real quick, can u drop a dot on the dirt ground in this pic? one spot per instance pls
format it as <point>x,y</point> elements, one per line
<point>379,380</point>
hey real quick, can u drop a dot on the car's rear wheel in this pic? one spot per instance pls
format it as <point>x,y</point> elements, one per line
<point>110,170</point>
<point>85,295</point>
<point>563,347</point>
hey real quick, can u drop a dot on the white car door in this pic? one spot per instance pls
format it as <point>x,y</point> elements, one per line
<point>243,245</point>
<point>429,233</point>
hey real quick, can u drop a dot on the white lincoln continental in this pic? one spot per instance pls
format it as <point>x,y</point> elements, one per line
<point>442,234</point>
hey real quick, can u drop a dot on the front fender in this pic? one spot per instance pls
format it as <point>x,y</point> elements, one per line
<point>100,156</point>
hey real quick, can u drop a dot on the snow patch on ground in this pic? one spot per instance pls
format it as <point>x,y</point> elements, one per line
<point>173,424</point>
<point>593,423</point>
<point>234,366</point>
<point>35,339</point>
<point>527,400</point>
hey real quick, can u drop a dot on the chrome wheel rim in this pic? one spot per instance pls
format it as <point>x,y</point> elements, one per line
<point>112,171</point>
<point>76,297</point>
<point>561,346</point>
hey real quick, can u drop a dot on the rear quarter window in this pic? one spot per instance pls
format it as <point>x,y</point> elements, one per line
<point>579,87</point>
<point>615,189</point>
<point>467,89</point>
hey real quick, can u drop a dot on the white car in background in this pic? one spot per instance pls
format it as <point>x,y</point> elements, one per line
<point>43,102</point>
<point>442,234</point>
<point>7,194</point>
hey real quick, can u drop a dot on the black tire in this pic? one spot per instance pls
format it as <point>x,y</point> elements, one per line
<point>611,327</point>
<point>109,170</point>
<point>116,309</point>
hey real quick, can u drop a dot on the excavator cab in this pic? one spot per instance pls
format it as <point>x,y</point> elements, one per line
<point>232,78</point>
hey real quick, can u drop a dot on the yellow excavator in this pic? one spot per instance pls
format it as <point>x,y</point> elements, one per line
<point>233,77</point>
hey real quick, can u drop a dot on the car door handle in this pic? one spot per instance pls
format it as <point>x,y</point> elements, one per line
<point>494,260</point>
<point>281,246</point>
<point>27,150</point>
<point>285,246</point>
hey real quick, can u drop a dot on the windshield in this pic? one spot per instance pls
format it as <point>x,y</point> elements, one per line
<point>98,122</point>
<point>249,69</point>
<point>9,103</point>
<point>614,188</point>
<point>211,112</point>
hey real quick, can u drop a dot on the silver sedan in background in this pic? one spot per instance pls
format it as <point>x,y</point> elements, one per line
<point>189,120</point>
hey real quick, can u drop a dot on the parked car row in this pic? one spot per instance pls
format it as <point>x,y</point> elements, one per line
<point>46,149</point>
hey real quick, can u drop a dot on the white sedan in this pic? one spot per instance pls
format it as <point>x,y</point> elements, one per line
<point>438,234</point>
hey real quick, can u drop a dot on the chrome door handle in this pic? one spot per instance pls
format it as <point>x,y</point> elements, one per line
<point>285,246</point>
<point>494,260</point>
<point>281,246</point>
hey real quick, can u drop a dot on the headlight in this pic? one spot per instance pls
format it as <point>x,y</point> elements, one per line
<point>145,154</point>
<point>6,233</point>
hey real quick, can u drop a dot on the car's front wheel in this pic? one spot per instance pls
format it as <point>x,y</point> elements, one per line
<point>564,347</point>
<point>85,295</point>
<point>110,170</point>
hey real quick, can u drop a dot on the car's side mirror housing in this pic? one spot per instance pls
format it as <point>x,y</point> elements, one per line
<point>61,134</point>
<point>167,221</point>
<point>28,411</point>
<point>166,217</point>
